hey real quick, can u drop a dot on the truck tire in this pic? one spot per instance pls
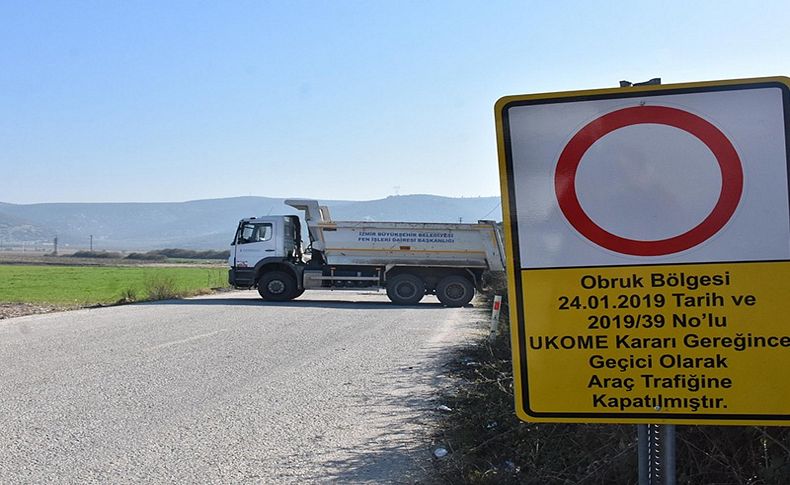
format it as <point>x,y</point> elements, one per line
<point>405,289</point>
<point>455,291</point>
<point>277,286</point>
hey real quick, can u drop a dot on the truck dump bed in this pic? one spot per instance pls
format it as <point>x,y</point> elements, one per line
<point>412,244</point>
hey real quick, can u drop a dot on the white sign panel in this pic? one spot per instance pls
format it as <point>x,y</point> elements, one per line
<point>634,160</point>
<point>648,247</point>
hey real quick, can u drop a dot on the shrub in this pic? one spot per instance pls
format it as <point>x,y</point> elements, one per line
<point>192,254</point>
<point>161,287</point>
<point>149,256</point>
<point>128,295</point>
<point>162,254</point>
<point>495,282</point>
<point>96,254</point>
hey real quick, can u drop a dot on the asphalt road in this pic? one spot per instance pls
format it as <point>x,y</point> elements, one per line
<point>333,387</point>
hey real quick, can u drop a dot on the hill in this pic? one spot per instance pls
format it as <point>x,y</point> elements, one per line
<point>206,224</point>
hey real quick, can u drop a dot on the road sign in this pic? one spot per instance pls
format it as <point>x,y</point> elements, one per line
<point>648,234</point>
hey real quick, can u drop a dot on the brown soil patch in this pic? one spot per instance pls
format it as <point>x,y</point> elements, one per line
<point>13,310</point>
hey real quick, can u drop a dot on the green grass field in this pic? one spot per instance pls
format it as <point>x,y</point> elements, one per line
<point>88,285</point>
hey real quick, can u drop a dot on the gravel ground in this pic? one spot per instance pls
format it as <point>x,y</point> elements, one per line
<point>11,310</point>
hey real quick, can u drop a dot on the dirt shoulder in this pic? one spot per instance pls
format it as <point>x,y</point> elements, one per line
<point>13,310</point>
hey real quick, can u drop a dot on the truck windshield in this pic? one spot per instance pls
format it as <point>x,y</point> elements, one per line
<point>251,232</point>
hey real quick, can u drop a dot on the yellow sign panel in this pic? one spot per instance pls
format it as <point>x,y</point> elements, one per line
<point>648,234</point>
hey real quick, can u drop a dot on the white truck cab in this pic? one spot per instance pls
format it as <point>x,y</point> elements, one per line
<point>259,240</point>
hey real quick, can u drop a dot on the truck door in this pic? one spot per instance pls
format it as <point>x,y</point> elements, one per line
<point>255,240</point>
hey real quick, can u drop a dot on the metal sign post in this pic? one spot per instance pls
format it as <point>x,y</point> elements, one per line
<point>656,454</point>
<point>655,441</point>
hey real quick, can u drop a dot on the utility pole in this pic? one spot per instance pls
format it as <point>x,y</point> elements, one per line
<point>91,242</point>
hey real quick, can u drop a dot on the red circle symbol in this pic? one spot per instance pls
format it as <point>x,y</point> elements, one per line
<point>712,137</point>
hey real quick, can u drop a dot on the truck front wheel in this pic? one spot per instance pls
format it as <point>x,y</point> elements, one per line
<point>455,291</point>
<point>277,286</point>
<point>405,289</point>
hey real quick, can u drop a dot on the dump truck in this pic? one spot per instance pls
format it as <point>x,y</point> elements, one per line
<point>407,259</point>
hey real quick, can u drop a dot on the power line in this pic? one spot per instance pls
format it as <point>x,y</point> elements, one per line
<point>492,210</point>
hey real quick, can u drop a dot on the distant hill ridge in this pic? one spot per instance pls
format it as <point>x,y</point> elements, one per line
<point>209,223</point>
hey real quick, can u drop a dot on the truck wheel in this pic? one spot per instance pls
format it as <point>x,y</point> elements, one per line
<point>405,289</point>
<point>277,286</point>
<point>455,291</point>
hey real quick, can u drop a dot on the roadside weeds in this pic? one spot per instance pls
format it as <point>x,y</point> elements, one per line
<point>487,444</point>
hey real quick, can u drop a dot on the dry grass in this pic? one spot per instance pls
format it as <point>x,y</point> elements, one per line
<point>489,445</point>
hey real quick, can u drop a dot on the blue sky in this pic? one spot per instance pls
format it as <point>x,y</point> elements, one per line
<point>170,101</point>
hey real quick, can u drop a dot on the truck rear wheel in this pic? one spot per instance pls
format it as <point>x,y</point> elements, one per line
<point>455,291</point>
<point>405,289</point>
<point>277,286</point>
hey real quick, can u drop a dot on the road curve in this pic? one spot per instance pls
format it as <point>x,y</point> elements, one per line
<point>333,387</point>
